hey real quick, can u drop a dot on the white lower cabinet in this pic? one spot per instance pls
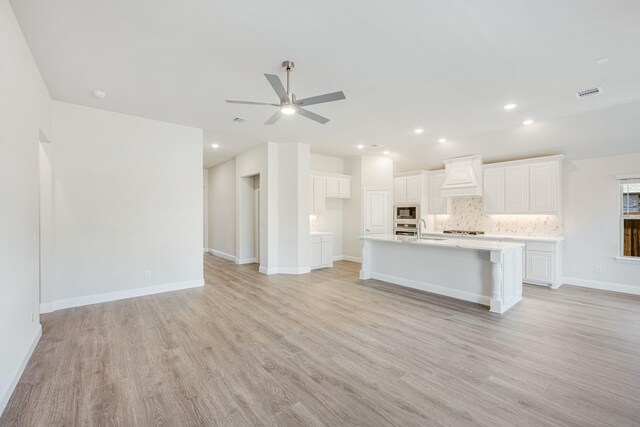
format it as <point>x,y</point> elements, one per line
<point>321,251</point>
<point>542,260</point>
<point>538,266</point>
<point>543,263</point>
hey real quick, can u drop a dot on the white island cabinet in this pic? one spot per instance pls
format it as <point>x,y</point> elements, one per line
<point>488,273</point>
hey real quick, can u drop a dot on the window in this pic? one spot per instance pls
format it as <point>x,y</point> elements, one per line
<point>630,217</point>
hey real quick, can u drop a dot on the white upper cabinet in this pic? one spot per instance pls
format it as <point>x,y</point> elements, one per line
<point>543,187</point>
<point>494,191</point>
<point>531,186</point>
<point>413,189</point>
<point>400,190</point>
<point>324,185</point>
<point>437,204</point>
<point>516,198</point>
<point>344,186</point>
<point>410,188</point>
<point>333,187</point>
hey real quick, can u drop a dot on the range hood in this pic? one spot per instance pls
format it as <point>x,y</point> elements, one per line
<point>463,177</point>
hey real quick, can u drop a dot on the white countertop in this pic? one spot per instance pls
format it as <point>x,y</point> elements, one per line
<point>491,236</point>
<point>477,245</point>
<point>321,233</point>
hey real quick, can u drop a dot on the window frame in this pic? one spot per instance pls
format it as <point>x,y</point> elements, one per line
<point>622,217</point>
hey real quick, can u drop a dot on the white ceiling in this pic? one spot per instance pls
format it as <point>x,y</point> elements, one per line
<point>445,66</point>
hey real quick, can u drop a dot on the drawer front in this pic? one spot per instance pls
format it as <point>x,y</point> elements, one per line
<point>315,239</point>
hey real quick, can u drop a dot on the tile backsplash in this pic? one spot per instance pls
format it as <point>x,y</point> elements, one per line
<point>466,214</point>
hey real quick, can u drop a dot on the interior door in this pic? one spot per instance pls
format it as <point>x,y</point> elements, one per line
<point>377,212</point>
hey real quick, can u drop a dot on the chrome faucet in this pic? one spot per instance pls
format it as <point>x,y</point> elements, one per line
<point>422,221</point>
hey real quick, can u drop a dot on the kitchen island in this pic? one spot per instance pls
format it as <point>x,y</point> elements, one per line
<point>484,272</point>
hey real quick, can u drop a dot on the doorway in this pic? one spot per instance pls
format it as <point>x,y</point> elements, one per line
<point>249,227</point>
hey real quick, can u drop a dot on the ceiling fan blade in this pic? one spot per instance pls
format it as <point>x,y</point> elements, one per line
<point>273,119</point>
<point>233,101</point>
<point>313,116</point>
<point>276,84</point>
<point>329,97</point>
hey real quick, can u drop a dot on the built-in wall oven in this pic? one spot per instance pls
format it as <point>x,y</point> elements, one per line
<point>407,213</point>
<point>405,229</point>
<point>406,219</point>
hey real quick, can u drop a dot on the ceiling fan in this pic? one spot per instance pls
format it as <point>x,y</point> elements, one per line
<point>288,103</point>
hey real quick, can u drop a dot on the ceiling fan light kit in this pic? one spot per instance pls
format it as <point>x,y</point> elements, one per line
<point>288,104</point>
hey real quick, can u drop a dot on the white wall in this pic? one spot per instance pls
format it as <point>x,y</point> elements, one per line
<point>591,223</point>
<point>249,163</point>
<point>332,218</point>
<point>293,208</point>
<point>205,207</point>
<point>24,114</point>
<point>127,201</point>
<point>222,209</point>
<point>367,171</point>
<point>321,163</point>
<point>283,171</point>
<point>352,219</point>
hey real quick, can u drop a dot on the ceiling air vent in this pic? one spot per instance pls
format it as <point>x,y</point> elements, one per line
<point>240,120</point>
<point>376,145</point>
<point>589,92</point>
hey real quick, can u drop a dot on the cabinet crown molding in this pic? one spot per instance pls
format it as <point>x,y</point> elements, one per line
<point>558,157</point>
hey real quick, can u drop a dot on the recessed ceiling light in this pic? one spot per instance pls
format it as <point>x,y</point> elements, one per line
<point>360,146</point>
<point>419,131</point>
<point>386,152</point>
<point>215,145</point>
<point>527,122</point>
<point>442,140</point>
<point>510,106</point>
<point>99,94</point>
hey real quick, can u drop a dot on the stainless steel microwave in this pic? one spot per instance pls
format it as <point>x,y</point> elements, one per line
<point>407,213</point>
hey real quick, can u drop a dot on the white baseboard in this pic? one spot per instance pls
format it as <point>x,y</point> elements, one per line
<point>6,394</point>
<point>128,293</point>
<point>294,270</point>
<point>222,255</point>
<point>268,271</point>
<point>246,260</point>
<point>284,270</point>
<point>347,258</point>
<point>604,286</point>
<point>47,307</point>
<point>436,289</point>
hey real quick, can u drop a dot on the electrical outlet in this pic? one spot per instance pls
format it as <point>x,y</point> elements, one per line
<point>147,274</point>
<point>599,269</point>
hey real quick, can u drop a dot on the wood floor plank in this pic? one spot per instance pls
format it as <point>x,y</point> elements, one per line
<point>328,349</point>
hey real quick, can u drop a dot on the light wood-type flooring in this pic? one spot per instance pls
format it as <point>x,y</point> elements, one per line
<point>327,349</point>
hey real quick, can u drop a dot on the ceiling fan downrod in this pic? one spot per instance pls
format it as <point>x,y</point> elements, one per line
<point>288,65</point>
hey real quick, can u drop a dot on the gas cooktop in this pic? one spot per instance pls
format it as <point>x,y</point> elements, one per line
<point>464,232</point>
